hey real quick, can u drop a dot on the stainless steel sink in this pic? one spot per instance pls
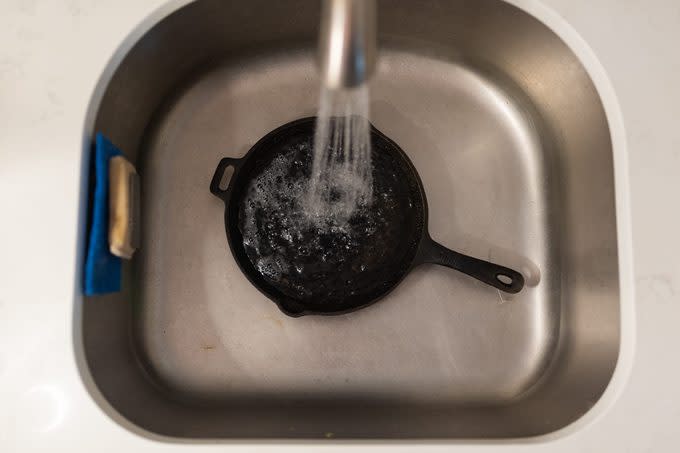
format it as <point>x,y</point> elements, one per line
<point>511,141</point>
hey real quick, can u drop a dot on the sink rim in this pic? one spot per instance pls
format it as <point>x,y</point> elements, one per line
<point>614,117</point>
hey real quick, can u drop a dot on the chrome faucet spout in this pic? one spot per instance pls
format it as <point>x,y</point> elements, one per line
<point>347,42</point>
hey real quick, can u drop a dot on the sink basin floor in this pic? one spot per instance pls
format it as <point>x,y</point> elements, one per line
<point>441,337</point>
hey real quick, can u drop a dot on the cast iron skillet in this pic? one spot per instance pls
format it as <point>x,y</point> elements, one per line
<point>329,279</point>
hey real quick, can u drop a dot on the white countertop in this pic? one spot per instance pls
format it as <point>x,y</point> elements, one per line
<point>52,54</point>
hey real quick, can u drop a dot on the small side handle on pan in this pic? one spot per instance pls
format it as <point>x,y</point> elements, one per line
<point>498,276</point>
<point>225,163</point>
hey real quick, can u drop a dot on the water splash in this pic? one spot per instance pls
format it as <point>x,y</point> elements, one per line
<point>341,179</point>
<point>324,262</point>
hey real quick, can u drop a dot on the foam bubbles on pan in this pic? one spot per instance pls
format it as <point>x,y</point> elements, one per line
<point>311,257</point>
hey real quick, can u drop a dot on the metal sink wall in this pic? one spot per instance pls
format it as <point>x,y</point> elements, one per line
<point>511,140</point>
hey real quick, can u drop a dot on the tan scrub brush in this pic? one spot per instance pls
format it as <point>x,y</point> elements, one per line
<point>124,210</point>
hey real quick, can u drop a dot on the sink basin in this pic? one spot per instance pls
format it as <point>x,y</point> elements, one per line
<point>511,140</point>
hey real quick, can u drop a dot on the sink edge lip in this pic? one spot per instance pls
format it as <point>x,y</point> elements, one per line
<point>605,89</point>
<point>626,352</point>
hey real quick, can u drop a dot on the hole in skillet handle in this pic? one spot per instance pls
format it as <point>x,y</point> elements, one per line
<point>217,182</point>
<point>504,279</point>
<point>226,177</point>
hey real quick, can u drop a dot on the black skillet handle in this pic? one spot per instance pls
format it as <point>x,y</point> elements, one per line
<point>219,173</point>
<point>495,275</point>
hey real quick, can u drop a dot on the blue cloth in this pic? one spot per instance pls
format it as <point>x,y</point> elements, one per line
<point>102,269</point>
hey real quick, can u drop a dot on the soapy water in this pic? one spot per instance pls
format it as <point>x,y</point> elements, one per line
<point>323,257</point>
<point>341,179</point>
